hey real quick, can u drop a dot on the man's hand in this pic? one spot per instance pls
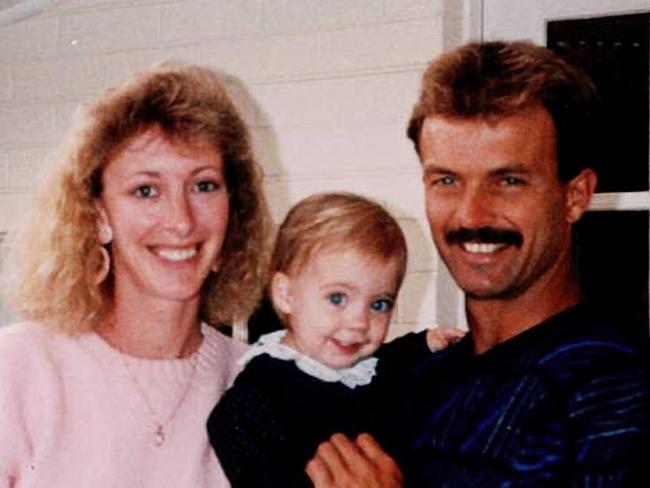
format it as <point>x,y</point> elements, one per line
<point>442,336</point>
<point>359,463</point>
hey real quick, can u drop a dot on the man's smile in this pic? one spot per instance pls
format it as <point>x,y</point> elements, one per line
<point>482,247</point>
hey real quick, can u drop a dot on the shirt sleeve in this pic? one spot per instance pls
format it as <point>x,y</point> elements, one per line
<point>610,414</point>
<point>399,355</point>
<point>14,440</point>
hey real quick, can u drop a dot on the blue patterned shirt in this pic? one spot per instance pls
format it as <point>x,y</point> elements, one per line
<point>565,403</point>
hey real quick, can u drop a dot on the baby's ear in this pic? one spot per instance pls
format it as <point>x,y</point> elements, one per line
<point>281,292</point>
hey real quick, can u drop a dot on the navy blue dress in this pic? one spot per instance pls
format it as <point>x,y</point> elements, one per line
<point>268,425</point>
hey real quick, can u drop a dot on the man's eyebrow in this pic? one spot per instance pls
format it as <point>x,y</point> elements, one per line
<point>436,169</point>
<point>510,169</point>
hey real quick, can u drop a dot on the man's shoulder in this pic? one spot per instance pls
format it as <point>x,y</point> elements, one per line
<point>580,351</point>
<point>582,337</point>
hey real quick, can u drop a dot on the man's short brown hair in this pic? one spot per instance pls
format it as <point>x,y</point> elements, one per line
<point>497,79</point>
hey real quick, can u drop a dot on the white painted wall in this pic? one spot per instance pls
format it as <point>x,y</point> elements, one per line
<point>326,85</point>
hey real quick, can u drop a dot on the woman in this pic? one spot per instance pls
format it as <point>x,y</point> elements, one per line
<point>150,231</point>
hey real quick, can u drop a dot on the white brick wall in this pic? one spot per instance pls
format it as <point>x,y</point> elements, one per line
<point>25,124</point>
<point>4,169</point>
<point>326,86</point>
<point>24,41</point>
<point>5,84</point>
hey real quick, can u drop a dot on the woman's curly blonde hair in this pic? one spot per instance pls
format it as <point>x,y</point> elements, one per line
<point>52,265</point>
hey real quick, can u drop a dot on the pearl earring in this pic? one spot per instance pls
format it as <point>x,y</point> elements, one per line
<point>105,234</point>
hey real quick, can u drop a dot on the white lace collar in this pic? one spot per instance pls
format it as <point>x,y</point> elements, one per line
<point>358,375</point>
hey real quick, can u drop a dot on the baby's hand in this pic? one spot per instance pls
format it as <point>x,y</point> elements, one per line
<point>442,336</point>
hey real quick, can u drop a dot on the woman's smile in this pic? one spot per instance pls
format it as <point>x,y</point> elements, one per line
<point>168,201</point>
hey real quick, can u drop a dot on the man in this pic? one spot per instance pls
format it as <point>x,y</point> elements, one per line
<point>544,389</point>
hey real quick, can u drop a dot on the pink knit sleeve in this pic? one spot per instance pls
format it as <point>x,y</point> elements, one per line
<point>14,385</point>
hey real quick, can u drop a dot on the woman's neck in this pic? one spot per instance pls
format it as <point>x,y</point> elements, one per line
<point>152,328</point>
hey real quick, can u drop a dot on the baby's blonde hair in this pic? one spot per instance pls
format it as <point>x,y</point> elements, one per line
<point>337,220</point>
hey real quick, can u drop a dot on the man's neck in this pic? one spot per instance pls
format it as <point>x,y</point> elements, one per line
<point>492,321</point>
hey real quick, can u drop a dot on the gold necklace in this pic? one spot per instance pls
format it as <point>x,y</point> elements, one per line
<point>159,435</point>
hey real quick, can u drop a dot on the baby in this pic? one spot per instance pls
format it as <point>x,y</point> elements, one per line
<point>336,269</point>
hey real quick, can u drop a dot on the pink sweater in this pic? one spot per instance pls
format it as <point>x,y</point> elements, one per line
<point>71,415</point>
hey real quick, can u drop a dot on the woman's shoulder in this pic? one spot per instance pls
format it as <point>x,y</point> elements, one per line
<point>221,352</point>
<point>27,348</point>
<point>18,336</point>
<point>219,342</point>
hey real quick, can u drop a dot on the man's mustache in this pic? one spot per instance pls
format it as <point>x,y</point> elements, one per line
<point>487,235</point>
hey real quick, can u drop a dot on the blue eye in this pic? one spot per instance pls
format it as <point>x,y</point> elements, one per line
<point>444,181</point>
<point>206,186</point>
<point>337,298</point>
<point>383,305</point>
<point>512,181</point>
<point>447,180</point>
<point>145,191</point>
